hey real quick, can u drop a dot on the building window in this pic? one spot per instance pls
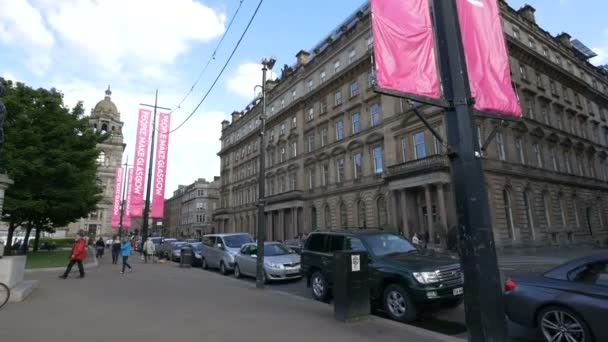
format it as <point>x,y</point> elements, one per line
<point>358,161</point>
<point>381,211</point>
<point>311,142</point>
<point>356,119</point>
<point>500,146</point>
<point>371,79</point>
<point>322,76</point>
<point>339,129</point>
<point>361,214</point>
<point>311,114</point>
<point>354,88</point>
<point>375,114</point>
<point>294,181</point>
<point>437,145</point>
<point>575,209</point>
<point>528,212</point>
<point>419,146</point>
<point>506,196</point>
<point>404,149</point>
<point>547,208</point>
<point>338,98</point>
<point>352,55</point>
<point>294,149</point>
<point>282,103</point>
<point>562,210</point>
<point>311,84</point>
<point>515,33</point>
<point>520,151</point>
<point>538,153</point>
<point>282,132</point>
<point>337,66</point>
<point>545,114</point>
<point>340,170</point>
<point>378,161</point>
<point>523,72</point>
<point>554,159</point>
<point>568,162</point>
<point>370,42</point>
<point>566,93</point>
<point>282,156</point>
<point>283,185</point>
<point>532,43</point>
<point>545,51</point>
<point>558,118</point>
<point>327,216</point>
<point>311,178</point>
<point>323,136</point>
<point>294,94</point>
<point>343,216</point>
<point>553,87</point>
<point>324,174</point>
<point>539,80</point>
<point>294,122</point>
<point>530,107</point>
<point>323,106</point>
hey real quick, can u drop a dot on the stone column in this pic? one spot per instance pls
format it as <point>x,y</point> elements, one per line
<point>429,211</point>
<point>443,217</point>
<point>281,225</point>
<point>394,214</point>
<point>405,228</point>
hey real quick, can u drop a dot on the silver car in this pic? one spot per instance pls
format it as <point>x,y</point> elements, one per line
<point>280,262</point>
<point>219,250</point>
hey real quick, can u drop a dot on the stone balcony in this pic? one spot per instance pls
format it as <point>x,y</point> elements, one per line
<point>416,167</point>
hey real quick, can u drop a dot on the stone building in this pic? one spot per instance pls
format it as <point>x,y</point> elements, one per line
<point>105,117</point>
<point>189,212</point>
<point>340,155</point>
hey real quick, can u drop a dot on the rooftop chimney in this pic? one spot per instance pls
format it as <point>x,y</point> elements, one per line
<point>302,57</point>
<point>564,38</point>
<point>235,116</point>
<point>527,12</point>
<point>225,124</point>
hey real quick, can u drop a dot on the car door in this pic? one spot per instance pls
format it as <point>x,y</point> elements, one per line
<point>209,250</point>
<point>241,259</point>
<point>250,261</point>
<point>589,294</point>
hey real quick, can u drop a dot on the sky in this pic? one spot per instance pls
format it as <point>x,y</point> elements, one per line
<point>137,46</point>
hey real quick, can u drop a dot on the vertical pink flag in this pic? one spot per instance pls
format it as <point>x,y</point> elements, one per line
<point>160,165</point>
<point>126,221</point>
<point>404,49</point>
<point>117,198</point>
<point>486,57</point>
<point>142,140</point>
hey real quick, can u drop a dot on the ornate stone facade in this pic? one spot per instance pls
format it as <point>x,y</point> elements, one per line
<point>340,155</point>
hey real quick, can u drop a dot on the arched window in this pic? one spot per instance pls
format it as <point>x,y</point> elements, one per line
<point>547,208</point>
<point>327,216</point>
<point>313,218</point>
<point>562,210</point>
<point>506,196</point>
<point>381,209</point>
<point>361,214</point>
<point>104,128</point>
<point>529,214</point>
<point>343,216</point>
<point>101,158</point>
<point>577,221</point>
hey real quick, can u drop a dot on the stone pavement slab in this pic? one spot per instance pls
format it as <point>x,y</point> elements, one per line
<point>161,302</point>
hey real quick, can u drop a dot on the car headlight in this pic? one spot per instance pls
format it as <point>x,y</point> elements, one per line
<point>426,277</point>
<point>273,265</point>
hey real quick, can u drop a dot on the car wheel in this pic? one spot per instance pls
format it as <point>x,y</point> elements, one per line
<point>237,271</point>
<point>319,287</point>
<point>558,323</point>
<point>398,305</point>
<point>223,268</point>
<point>204,264</point>
<point>454,303</point>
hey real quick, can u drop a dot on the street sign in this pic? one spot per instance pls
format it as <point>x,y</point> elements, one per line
<point>355,263</point>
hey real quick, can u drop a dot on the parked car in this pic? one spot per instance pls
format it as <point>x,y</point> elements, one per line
<point>567,303</point>
<point>176,250</point>
<point>219,250</point>
<point>166,248</point>
<point>402,280</point>
<point>197,253</point>
<point>280,262</point>
<point>193,240</point>
<point>295,244</point>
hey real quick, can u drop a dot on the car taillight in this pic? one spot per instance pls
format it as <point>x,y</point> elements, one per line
<point>510,285</point>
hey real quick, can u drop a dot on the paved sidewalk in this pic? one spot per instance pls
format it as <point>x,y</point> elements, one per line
<point>161,302</point>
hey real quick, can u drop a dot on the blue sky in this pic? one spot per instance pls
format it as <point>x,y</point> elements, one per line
<point>136,46</point>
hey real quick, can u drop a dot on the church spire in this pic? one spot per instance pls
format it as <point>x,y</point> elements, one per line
<point>108,92</point>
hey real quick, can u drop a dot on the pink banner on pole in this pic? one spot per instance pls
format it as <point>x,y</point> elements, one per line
<point>117,198</point>
<point>404,50</point>
<point>160,165</point>
<point>486,57</point>
<point>142,140</point>
<point>126,221</point>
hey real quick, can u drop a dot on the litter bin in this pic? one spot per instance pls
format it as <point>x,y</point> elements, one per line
<point>351,285</point>
<point>185,259</point>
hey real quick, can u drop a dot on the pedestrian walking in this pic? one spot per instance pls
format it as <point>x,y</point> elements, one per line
<point>126,252</point>
<point>100,247</point>
<point>115,250</point>
<point>149,250</point>
<point>77,255</point>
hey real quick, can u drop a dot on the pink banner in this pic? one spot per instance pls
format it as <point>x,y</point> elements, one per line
<point>160,165</point>
<point>117,198</point>
<point>142,140</point>
<point>486,57</point>
<point>404,49</point>
<point>126,221</point>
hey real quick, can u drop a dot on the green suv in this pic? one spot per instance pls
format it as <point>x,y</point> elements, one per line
<point>402,278</point>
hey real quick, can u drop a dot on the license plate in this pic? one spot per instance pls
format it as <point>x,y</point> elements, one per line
<point>458,291</point>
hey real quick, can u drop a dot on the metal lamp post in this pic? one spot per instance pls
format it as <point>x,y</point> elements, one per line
<point>267,64</point>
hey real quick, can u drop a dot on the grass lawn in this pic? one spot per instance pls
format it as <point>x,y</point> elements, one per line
<point>44,259</point>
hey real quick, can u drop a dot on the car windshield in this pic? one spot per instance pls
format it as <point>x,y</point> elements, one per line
<point>178,245</point>
<point>236,241</point>
<point>197,246</point>
<point>385,244</point>
<point>276,249</point>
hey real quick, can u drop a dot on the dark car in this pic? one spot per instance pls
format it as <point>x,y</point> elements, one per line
<point>568,303</point>
<point>402,279</point>
<point>197,251</point>
<point>295,244</point>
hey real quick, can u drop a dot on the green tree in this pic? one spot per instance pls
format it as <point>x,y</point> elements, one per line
<point>50,153</point>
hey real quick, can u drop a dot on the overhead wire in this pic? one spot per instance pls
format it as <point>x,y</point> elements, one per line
<point>223,68</point>
<point>212,58</point>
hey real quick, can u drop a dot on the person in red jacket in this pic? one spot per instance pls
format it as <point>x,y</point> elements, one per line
<point>76,256</point>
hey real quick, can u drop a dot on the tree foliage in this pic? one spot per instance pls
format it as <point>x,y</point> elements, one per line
<point>50,153</point>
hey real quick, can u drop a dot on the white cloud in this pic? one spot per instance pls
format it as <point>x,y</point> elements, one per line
<point>246,77</point>
<point>21,23</point>
<point>602,55</point>
<point>7,75</point>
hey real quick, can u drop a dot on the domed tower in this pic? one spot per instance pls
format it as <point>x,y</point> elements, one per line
<point>104,118</point>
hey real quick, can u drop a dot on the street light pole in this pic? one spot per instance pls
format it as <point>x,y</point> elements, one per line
<point>267,64</point>
<point>122,200</point>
